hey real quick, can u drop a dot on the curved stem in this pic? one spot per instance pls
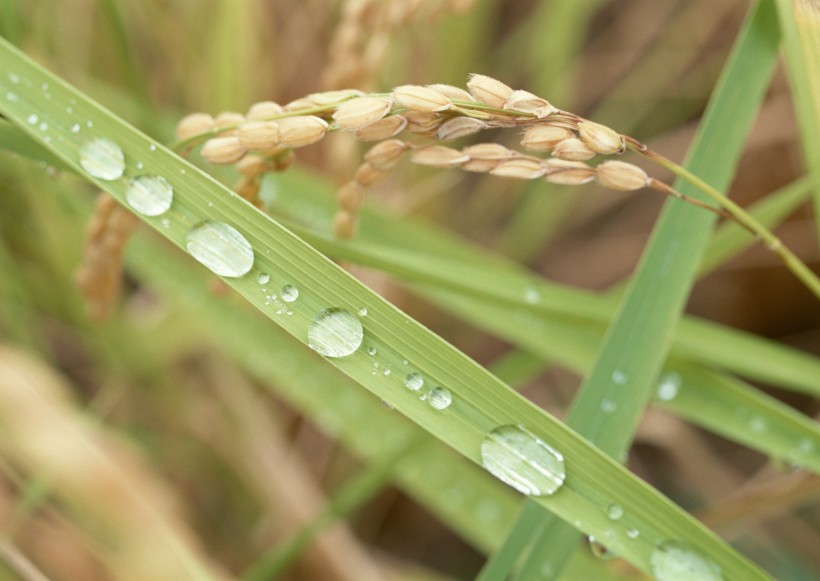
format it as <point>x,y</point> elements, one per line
<point>738,214</point>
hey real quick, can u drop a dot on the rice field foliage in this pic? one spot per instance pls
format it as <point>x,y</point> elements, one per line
<point>233,365</point>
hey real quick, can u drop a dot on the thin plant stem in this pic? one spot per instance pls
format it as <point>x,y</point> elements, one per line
<point>738,214</point>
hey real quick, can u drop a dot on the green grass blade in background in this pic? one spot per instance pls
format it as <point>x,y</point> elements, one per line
<point>800,28</point>
<point>613,395</point>
<point>480,402</point>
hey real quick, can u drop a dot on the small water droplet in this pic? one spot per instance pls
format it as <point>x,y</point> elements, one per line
<point>386,372</point>
<point>608,406</point>
<point>669,387</point>
<point>335,332</point>
<point>405,362</point>
<point>363,312</point>
<point>614,511</point>
<point>371,351</point>
<point>69,109</point>
<point>600,550</point>
<point>517,457</point>
<point>633,533</point>
<point>14,78</point>
<point>166,223</point>
<point>140,165</point>
<point>757,424</point>
<point>289,293</point>
<point>152,147</point>
<point>221,248</point>
<point>10,96</point>
<point>75,128</point>
<point>149,195</point>
<point>182,172</point>
<point>263,278</point>
<point>89,124</point>
<point>102,159</point>
<point>32,119</point>
<point>414,382</point>
<point>532,296</point>
<point>674,561</point>
<point>388,405</point>
<point>805,446</point>
<point>43,126</point>
<point>440,398</point>
<point>44,86</point>
<point>619,377</point>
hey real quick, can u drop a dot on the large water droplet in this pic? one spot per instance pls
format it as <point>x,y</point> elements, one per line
<point>335,333</point>
<point>289,293</point>
<point>149,195</point>
<point>674,561</point>
<point>414,382</point>
<point>517,457</point>
<point>221,248</point>
<point>440,398</point>
<point>669,386</point>
<point>102,159</point>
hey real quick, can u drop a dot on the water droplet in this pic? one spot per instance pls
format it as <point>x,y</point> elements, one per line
<point>633,533</point>
<point>532,296</point>
<point>600,550</point>
<point>69,109</point>
<point>75,128</point>
<point>414,382</point>
<point>674,561</point>
<point>12,97</point>
<point>152,147</point>
<point>519,458</point>
<point>89,124</point>
<point>614,511</point>
<point>619,377</point>
<point>669,387</point>
<point>221,248</point>
<point>386,372</point>
<point>44,86</point>
<point>14,78</point>
<point>757,424</point>
<point>263,278</point>
<point>289,293</point>
<point>166,223</point>
<point>388,405</point>
<point>102,159</point>
<point>440,398</point>
<point>608,406</point>
<point>32,119</point>
<point>140,165</point>
<point>149,195</point>
<point>43,126</point>
<point>335,332</point>
<point>363,312</point>
<point>371,351</point>
<point>805,446</point>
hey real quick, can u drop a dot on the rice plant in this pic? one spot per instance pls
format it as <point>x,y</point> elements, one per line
<point>243,339</point>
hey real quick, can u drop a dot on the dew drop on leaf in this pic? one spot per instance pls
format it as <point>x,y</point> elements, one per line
<point>221,248</point>
<point>149,195</point>
<point>414,382</point>
<point>102,159</point>
<point>335,332</point>
<point>674,561</point>
<point>440,398</point>
<point>517,457</point>
<point>289,293</point>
